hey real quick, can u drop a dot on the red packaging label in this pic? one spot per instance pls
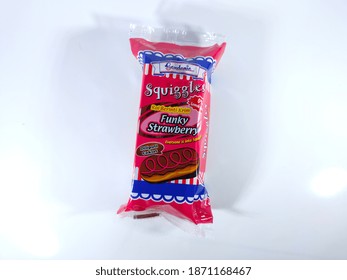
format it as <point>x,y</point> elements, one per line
<point>172,134</point>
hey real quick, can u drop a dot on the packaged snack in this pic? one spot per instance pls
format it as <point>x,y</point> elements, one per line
<point>173,124</point>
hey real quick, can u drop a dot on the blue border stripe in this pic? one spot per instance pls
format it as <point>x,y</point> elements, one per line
<point>168,189</point>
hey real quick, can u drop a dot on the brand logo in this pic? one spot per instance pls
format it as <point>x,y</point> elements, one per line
<point>177,91</point>
<point>177,67</point>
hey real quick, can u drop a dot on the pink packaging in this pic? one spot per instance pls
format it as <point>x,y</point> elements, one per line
<point>173,124</point>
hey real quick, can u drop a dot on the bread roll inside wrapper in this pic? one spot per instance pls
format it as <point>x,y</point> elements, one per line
<point>173,123</point>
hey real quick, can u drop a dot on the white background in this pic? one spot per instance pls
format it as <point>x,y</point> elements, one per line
<point>277,166</point>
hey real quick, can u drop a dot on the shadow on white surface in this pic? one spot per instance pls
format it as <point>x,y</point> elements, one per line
<point>96,95</point>
<point>68,117</point>
<point>93,112</point>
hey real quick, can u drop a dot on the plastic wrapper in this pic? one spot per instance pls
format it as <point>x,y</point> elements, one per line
<point>173,123</point>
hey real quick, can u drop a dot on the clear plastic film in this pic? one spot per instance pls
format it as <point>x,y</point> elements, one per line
<point>173,124</point>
